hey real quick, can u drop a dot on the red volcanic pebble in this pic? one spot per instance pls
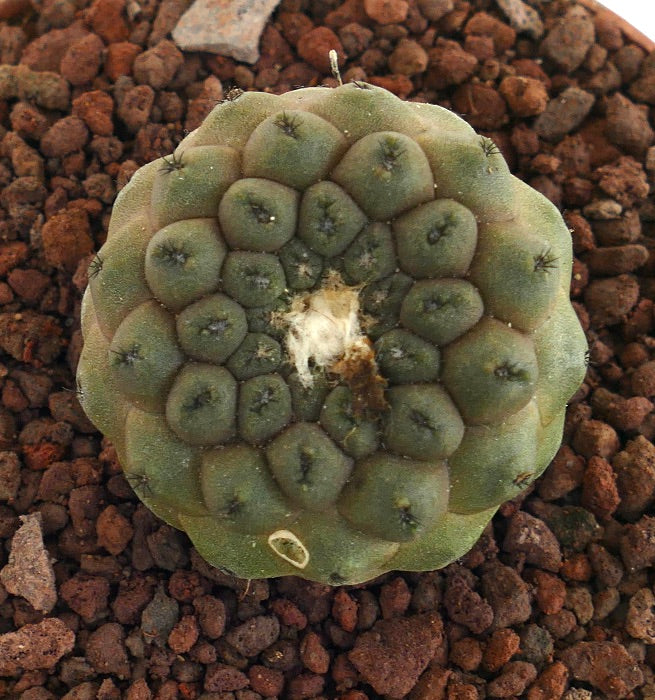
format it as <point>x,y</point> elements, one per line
<point>635,477</point>
<point>12,254</point>
<point>551,683</point>
<point>560,624</point>
<point>157,66</point>
<point>81,62</point>
<point>135,107</point>
<point>114,530</point>
<point>266,681</point>
<point>526,97</point>
<point>599,491</point>
<point>594,437</point>
<point>293,25</point>
<point>576,568</point>
<point>185,586</point>
<point>86,595</point>
<point>344,610</point>
<point>550,591</point>
<point>315,45</point>
<point>355,38</point>
<point>29,284</point>
<point>466,653</point>
<point>67,238</point>
<point>400,85</point>
<point>616,260</point>
<point>44,53</point>
<point>500,648</point>
<point>289,613</point>
<point>313,654</point>
<point>36,340</point>
<point>35,646</point>
<point>28,121</point>
<point>484,24</point>
<point>448,64</point>
<point>107,20</point>
<point>627,125</point>
<point>482,105</point>
<point>120,58</point>
<point>482,47</point>
<point>184,635</point>
<point>515,678</point>
<point>633,355</point>
<point>386,11</point>
<point>607,666</point>
<point>253,636</point>
<point>95,109</point>
<point>579,278</point>
<point>607,568</point>
<point>65,136</point>
<point>392,655</point>
<point>395,598</point>
<point>643,380</point>
<point>134,593</point>
<point>619,412</point>
<point>211,615</point>
<point>624,181</point>
<point>305,685</point>
<point>408,58</point>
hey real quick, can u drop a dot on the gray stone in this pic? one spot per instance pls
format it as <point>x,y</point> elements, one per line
<point>567,43</point>
<point>522,17</point>
<point>227,27</point>
<point>564,113</point>
<point>29,572</point>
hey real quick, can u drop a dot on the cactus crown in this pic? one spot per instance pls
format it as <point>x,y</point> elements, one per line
<point>330,334</point>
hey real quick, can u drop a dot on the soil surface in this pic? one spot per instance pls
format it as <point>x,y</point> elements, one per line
<point>100,599</point>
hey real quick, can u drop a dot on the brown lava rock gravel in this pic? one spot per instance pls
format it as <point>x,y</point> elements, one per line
<point>98,598</point>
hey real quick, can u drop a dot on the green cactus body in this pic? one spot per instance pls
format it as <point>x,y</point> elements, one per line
<point>331,334</point>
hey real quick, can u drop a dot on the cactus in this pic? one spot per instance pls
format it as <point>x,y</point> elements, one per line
<point>331,334</point>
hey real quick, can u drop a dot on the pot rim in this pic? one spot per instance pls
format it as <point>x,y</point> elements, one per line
<point>629,30</point>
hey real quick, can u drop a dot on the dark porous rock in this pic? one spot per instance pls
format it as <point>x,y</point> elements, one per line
<point>106,652</point>
<point>253,636</point>
<point>638,544</point>
<point>221,678</point>
<point>507,594</point>
<point>465,606</point>
<point>610,300</point>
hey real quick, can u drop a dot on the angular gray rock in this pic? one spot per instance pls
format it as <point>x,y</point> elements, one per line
<point>564,113</point>
<point>228,27</point>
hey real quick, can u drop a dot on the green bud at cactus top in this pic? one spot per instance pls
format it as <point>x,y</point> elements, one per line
<point>331,334</point>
